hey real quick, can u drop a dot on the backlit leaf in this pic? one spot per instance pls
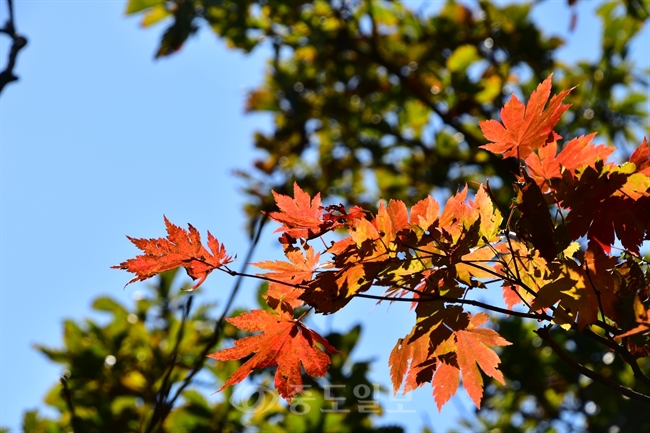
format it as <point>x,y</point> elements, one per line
<point>300,216</point>
<point>525,128</point>
<point>180,248</point>
<point>473,352</point>
<point>283,342</point>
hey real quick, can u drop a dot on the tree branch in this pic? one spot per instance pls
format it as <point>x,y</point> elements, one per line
<point>67,396</point>
<point>216,335</point>
<point>161,408</point>
<point>545,335</point>
<point>432,298</point>
<point>18,43</point>
<point>622,351</point>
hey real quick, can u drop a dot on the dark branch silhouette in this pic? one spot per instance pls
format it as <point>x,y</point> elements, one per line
<point>546,336</point>
<point>18,43</point>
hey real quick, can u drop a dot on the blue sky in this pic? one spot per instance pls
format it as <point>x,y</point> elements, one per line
<point>98,140</point>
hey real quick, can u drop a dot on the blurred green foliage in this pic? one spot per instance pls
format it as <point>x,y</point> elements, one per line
<point>374,98</point>
<point>114,372</point>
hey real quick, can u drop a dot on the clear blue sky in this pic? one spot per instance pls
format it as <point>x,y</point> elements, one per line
<point>98,140</point>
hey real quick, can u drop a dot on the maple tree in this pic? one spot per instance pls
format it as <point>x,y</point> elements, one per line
<point>459,57</point>
<point>435,258</point>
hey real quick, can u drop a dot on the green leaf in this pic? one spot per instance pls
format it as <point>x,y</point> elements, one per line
<point>462,57</point>
<point>122,403</point>
<point>30,421</point>
<point>195,398</point>
<point>107,304</point>
<point>491,89</point>
<point>138,5</point>
<point>156,14</point>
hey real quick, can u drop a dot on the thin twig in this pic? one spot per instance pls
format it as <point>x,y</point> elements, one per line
<point>622,351</point>
<point>546,336</point>
<point>433,298</point>
<point>161,408</point>
<point>216,335</point>
<point>67,396</point>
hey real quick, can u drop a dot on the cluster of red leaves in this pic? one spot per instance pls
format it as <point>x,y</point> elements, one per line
<point>434,258</point>
<point>421,253</point>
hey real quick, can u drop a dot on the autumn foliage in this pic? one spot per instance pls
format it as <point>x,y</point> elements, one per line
<point>554,253</point>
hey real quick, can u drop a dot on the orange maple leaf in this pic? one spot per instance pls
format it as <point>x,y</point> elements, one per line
<point>415,357</point>
<point>301,216</point>
<point>576,154</point>
<point>445,383</point>
<point>544,166</point>
<point>390,220</point>
<point>580,290</point>
<point>472,352</point>
<point>490,217</point>
<point>180,248</point>
<point>580,152</point>
<point>438,355</point>
<point>281,297</point>
<point>405,361</point>
<point>525,127</point>
<point>300,268</point>
<point>514,294</point>
<point>294,273</point>
<point>284,342</point>
<point>425,213</point>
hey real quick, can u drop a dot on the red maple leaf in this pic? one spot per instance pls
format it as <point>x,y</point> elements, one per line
<point>544,166</point>
<point>180,248</point>
<point>525,127</point>
<point>281,297</point>
<point>284,342</point>
<point>472,352</point>
<point>301,216</point>
<point>620,197</point>
<point>580,152</point>
<point>641,157</point>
